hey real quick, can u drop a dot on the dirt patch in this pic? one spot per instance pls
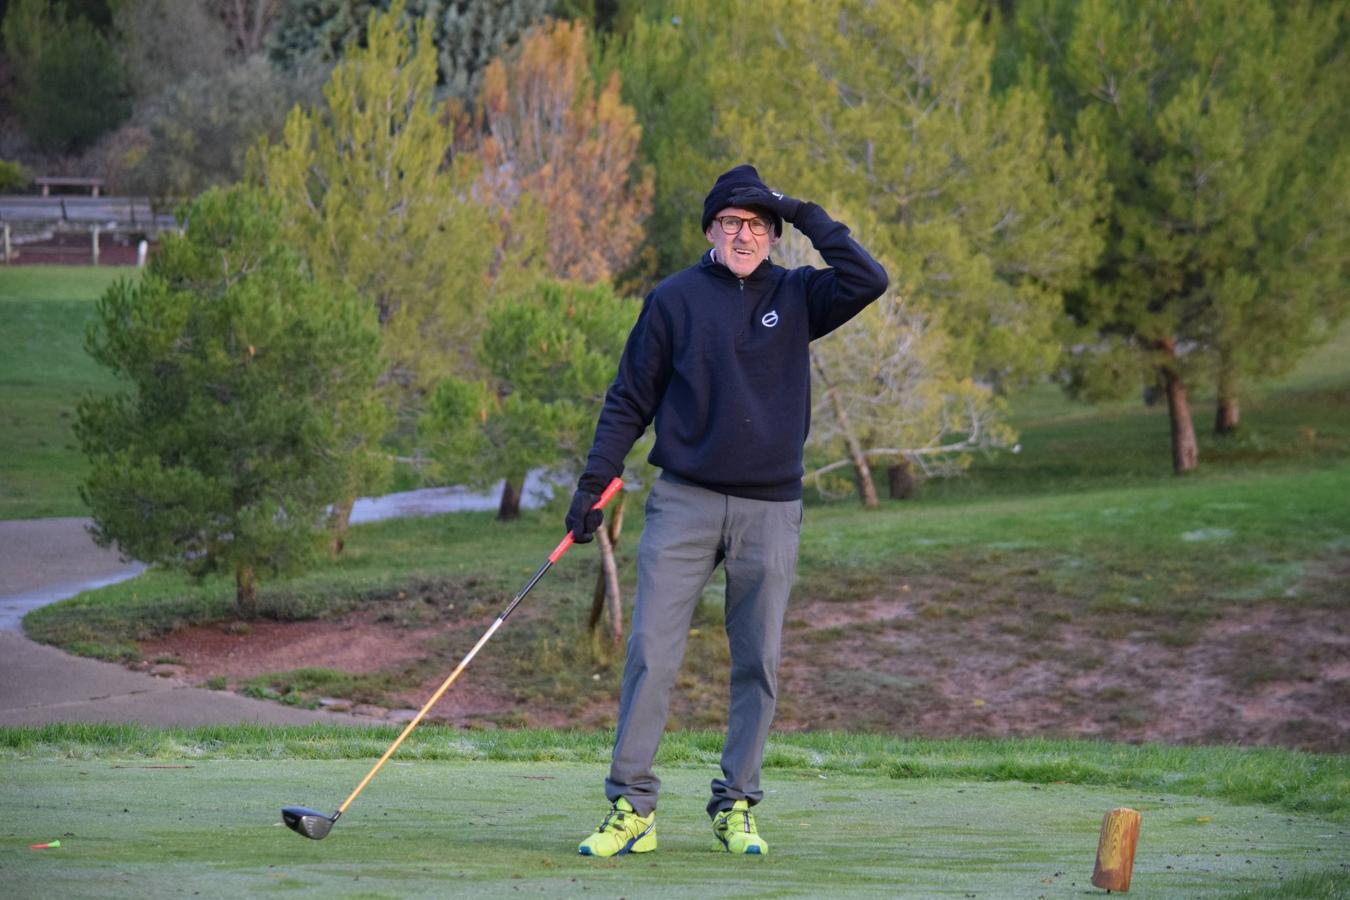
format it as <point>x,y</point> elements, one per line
<point>1257,675</point>
<point>362,643</point>
<point>921,660</point>
<point>238,651</point>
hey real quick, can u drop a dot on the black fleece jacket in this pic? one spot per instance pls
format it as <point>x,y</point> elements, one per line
<point>721,364</point>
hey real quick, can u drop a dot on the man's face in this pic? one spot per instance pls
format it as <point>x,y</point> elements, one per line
<point>743,251</point>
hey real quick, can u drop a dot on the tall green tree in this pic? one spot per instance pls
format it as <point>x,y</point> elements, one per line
<point>198,132</point>
<point>1224,133</point>
<point>71,87</point>
<point>248,403</point>
<point>163,42</point>
<point>200,100</point>
<point>888,117</point>
<point>978,210</point>
<point>372,198</point>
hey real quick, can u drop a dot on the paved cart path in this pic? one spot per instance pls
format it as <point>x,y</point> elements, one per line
<point>45,560</point>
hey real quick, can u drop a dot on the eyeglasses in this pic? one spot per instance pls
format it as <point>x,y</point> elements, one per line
<point>732,225</point>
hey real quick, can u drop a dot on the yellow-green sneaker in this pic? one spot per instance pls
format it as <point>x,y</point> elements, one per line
<point>622,831</point>
<point>735,828</point>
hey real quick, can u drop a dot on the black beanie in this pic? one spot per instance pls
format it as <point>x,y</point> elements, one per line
<point>719,198</point>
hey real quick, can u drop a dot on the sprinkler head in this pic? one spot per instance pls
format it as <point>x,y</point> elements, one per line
<point>309,822</point>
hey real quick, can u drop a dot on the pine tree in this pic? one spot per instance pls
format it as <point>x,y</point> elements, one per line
<point>248,400</point>
<point>373,198</point>
<point>888,118</point>
<point>1223,127</point>
<point>892,121</point>
<point>469,36</point>
<point>549,354</point>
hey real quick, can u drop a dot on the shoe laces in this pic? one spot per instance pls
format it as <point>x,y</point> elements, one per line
<point>746,823</point>
<point>614,820</point>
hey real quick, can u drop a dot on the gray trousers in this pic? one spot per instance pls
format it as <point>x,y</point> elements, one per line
<point>689,530</point>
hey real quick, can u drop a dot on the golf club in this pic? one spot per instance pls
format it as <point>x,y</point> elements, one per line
<point>315,825</point>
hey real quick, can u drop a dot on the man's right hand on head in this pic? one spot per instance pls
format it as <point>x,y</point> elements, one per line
<point>583,520</point>
<point>776,202</point>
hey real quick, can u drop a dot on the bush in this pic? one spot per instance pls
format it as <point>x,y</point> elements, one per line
<point>13,176</point>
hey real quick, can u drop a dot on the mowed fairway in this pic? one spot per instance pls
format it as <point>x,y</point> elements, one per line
<point>152,828</point>
<point>43,374</point>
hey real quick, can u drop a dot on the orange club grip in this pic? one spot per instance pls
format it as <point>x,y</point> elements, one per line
<point>613,488</point>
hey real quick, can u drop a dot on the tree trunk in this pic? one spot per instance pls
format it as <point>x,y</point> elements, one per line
<point>245,591</point>
<point>509,508</point>
<point>904,486</point>
<point>610,531</point>
<point>1185,452</point>
<point>862,472</point>
<point>1226,415</point>
<point>862,476</point>
<point>611,571</point>
<point>342,522</point>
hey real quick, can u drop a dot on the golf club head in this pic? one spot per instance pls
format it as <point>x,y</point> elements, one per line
<point>309,822</point>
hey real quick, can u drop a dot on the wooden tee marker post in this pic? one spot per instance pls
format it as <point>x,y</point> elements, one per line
<point>1115,850</point>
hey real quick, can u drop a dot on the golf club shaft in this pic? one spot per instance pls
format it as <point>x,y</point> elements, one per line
<point>553,557</point>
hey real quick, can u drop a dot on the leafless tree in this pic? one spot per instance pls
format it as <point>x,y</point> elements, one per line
<point>883,392</point>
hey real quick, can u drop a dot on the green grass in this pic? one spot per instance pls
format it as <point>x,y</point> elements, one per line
<point>43,373</point>
<point>1287,780</point>
<point>1158,553</point>
<point>1158,556</point>
<point>147,813</point>
<point>1296,424</point>
<point>1086,522</point>
<point>1086,525</point>
<point>465,563</point>
<point>1185,542</point>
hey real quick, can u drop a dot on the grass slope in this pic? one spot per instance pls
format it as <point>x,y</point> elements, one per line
<point>187,823</point>
<point>43,373</point>
<point>1153,556</point>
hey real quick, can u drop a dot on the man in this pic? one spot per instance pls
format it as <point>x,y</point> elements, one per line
<point>719,358</point>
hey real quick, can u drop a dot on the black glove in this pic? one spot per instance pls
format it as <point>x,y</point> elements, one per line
<point>582,520</point>
<point>776,202</point>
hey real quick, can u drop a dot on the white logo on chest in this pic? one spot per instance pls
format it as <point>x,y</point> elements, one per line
<point>770,318</point>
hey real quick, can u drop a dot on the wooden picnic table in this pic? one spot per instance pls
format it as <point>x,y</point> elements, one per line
<point>47,182</point>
